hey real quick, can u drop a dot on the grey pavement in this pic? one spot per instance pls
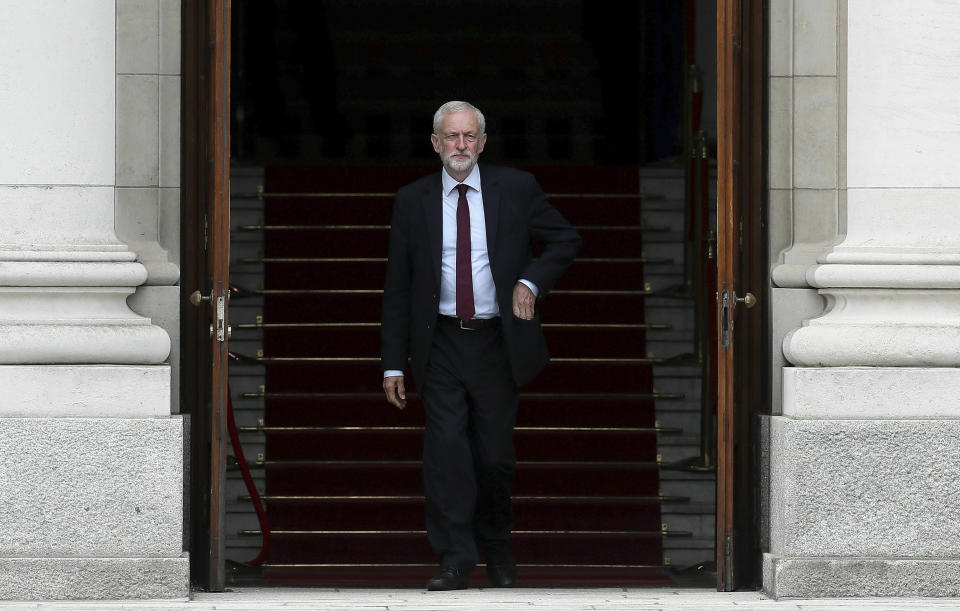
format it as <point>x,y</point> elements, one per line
<point>638,599</point>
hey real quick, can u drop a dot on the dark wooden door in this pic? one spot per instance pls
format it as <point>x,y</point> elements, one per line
<point>206,236</point>
<point>742,350</point>
<point>218,256</point>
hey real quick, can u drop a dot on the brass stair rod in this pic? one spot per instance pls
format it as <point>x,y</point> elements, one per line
<point>261,194</point>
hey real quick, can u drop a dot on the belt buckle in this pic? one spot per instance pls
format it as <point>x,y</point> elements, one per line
<point>460,320</point>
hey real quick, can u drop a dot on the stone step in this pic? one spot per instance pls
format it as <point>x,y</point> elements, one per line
<point>689,507</point>
<point>688,543</point>
<point>683,406</point>
<point>702,526</point>
<point>664,250</point>
<point>668,349</point>
<point>665,236</point>
<point>681,558</point>
<point>675,452</point>
<point>685,444</point>
<point>676,371</point>
<point>687,421</point>
<point>672,219</point>
<point>678,384</point>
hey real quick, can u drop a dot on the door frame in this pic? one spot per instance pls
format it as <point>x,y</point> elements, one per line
<point>744,392</point>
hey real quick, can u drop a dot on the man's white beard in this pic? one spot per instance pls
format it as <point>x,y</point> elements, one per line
<point>459,165</point>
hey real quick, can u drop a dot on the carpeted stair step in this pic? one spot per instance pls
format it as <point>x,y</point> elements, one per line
<point>327,240</point>
<point>595,179</point>
<point>594,547</point>
<point>372,409</point>
<point>369,272</point>
<point>407,513</point>
<point>585,211</point>
<point>329,210</point>
<point>371,240</point>
<point>532,478</point>
<point>406,443</point>
<point>313,305</point>
<point>365,375</point>
<point>612,241</point>
<point>363,339</point>
<point>417,574</point>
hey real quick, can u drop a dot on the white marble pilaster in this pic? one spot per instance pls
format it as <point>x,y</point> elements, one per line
<point>806,131</point>
<point>148,132</point>
<point>891,284</point>
<point>148,74</point>
<point>58,248</point>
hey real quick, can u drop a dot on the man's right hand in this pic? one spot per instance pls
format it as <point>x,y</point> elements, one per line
<point>396,395</point>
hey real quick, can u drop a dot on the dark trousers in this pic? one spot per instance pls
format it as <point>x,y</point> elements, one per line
<point>470,400</point>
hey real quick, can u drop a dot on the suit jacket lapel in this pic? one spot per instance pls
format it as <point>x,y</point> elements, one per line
<point>433,209</point>
<point>491,211</point>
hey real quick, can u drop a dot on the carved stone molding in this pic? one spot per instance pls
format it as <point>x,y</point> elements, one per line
<point>880,327</point>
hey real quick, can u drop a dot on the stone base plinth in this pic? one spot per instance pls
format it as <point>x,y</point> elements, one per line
<point>861,503</point>
<point>871,393</point>
<point>864,488</point>
<point>93,508</point>
<point>94,578</point>
<point>834,577</point>
<point>83,391</point>
<point>97,487</point>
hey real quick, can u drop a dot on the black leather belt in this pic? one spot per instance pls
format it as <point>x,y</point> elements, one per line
<point>474,324</point>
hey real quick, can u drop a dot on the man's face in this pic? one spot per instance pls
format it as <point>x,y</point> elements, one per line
<point>459,143</point>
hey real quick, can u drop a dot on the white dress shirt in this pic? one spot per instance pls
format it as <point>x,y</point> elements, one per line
<point>484,291</point>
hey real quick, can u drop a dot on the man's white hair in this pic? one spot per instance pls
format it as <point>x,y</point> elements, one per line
<point>457,106</point>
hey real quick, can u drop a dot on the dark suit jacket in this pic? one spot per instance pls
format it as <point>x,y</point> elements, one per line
<point>516,212</point>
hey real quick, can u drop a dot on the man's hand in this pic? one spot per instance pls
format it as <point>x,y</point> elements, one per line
<point>523,301</point>
<point>396,395</point>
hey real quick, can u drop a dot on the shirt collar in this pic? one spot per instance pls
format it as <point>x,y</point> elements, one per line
<point>472,180</point>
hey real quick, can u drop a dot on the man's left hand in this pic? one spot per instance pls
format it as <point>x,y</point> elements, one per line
<point>523,301</point>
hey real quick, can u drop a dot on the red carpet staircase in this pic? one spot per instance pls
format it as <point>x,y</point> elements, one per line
<point>342,468</point>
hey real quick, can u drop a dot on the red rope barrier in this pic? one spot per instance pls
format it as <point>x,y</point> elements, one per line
<point>251,486</point>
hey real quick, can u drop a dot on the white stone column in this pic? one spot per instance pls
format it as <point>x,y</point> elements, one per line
<point>90,458</point>
<point>865,458</point>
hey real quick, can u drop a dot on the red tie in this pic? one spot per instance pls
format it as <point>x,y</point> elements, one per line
<point>465,308</point>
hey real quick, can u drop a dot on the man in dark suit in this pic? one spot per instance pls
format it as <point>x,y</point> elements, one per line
<point>460,300</point>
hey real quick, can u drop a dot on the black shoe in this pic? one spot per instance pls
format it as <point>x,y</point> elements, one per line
<point>449,578</point>
<point>502,569</point>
